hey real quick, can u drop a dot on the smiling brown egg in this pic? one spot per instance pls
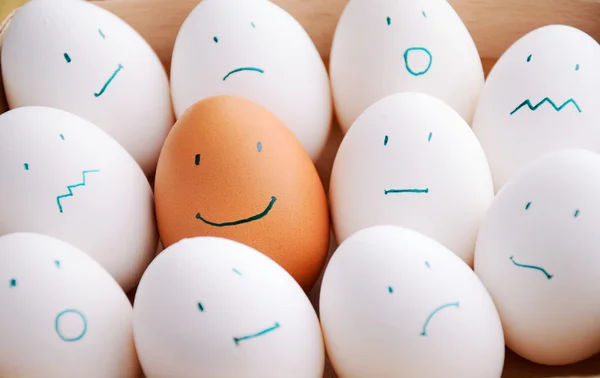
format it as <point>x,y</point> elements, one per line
<point>232,169</point>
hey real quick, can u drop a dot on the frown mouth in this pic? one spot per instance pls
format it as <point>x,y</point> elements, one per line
<point>527,103</point>
<point>241,69</point>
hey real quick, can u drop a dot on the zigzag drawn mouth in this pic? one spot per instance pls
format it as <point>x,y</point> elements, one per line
<point>527,103</point>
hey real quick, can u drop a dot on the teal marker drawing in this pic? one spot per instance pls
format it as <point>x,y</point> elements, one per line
<point>237,340</point>
<point>71,187</point>
<point>548,275</point>
<point>241,69</point>
<point>407,64</point>
<point>110,79</point>
<point>402,191</point>
<point>434,312</point>
<point>59,332</point>
<point>527,103</point>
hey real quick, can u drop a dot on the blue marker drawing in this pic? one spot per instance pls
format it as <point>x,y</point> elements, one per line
<point>237,272</point>
<point>110,79</point>
<point>576,213</point>
<point>241,221</point>
<point>548,276</point>
<point>71,187</point>
<point>101,34</point>
<point>216,39</point>
<point>59,332</point>
<point>237,340</point>
<point>401,191</point>
<point>57,263</point>
<point>577,67</point>
<point>13,283</point>
<point>389,21</point>
<point>427,264</point>
<point>390,290</point>
<point>430,136</point>
<point>259,146</point>
<point>528,206</point>
<point>200,307</point>
<point>385,140</point>
<point>62,136</point>
<point>447,305</point>
<point>529,58</point>
<point>407,64</point>
<point>26,166</point>
<point>527,103</point>
<point>254,69</point>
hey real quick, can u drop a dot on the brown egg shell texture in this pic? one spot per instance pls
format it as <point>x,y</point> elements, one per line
<point>230,168</point>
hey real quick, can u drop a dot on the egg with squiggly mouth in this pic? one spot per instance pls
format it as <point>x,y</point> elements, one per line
<point>231,169</point>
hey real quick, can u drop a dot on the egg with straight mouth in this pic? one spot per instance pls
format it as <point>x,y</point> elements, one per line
<point>75,56</point>
<point>256,50</point>
<point>230,168</point>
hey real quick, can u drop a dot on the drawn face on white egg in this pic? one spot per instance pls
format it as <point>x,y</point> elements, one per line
<point>383,47</point>
<point>218,306</point>
<point>60,305</point>
<point>254,49</point>
<point>83,59</point>
<point>540,97</point>
<point>396,303</point>
<point>537,254</point>
<point>66,178</point>
<point>412,161</point>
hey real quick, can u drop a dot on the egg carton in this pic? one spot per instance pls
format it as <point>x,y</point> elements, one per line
<point>494,27</point>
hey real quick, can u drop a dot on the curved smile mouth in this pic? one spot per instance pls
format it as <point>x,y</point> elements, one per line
<point>406,191</point>
<point>241,221</point>
<point>527,103</point>
<point>241,69</point>
<point>110,79</point>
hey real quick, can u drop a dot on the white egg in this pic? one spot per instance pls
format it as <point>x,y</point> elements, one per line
<point>83,59</point>
<point>540,96</point>
<point>217,308</point>
<point>537,253</point>
<point>254,49</point>
<point>64,177</point>
<point>382,47</point>
<point>62,314</point>
<point>412,161</point>
<point>395,303</point>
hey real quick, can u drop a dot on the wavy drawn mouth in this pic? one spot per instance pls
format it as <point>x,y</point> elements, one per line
<point>548,275</point>
<point>241,69</point>
<point>241,221</point>
<point>110,79</point>
<point>527,103</point>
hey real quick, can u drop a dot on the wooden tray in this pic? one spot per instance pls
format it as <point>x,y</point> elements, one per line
<point>494,25</point>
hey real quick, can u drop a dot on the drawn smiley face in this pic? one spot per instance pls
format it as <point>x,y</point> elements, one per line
<point>411,161</point>
<point>231,169</point>
<point>255,50</point>
<point>536,253</point>
<point>244,309</point>
<point>87,61</point>
<point>538,98</point>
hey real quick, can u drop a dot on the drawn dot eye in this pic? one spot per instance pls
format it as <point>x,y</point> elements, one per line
<point>101,34</point>
<point>577,67</point>
<point>576,213</point>
<point>259,147</point>
<point>385,140</point>
<point>424,14</point>
<point>528,206</point>
<point>200,307</point>
<point>253,26</point>
<point>216,39</point>
<point>67,57</point>
<point>197,159</point>
<point>390,289</point>
<point>529,58</point>
<point>389,21</point>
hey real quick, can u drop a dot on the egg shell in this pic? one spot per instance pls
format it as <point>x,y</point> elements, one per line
<point>382,47</point>
<point>395,303</point>
<point>537,253</point>
<point>66,178</point>
<point>541,96</point>
<point>218,308</point>
<point>256,50</point>
<point>230,168</point>
<point>62,314</point>
<point>412,161</point>
<point>78,57</point>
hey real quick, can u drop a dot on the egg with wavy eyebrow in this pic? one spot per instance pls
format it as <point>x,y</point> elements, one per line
<point>232,169</point>
<point>541,96</point>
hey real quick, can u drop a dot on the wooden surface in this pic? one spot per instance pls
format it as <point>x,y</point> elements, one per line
<point>494,24</point>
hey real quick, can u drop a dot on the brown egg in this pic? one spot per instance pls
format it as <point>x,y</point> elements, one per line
<point>232,169</point>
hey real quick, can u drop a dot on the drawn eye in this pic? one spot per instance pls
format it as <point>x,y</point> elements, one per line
<point>67,57</point>
<point>197,159</point>
<point>101,34</point>
<point>253,26</point>
<point>577,67</point>
<point>259,146</point>
<point>385,140</point>
<point>389,21</point>
<point>216,39</point>
<point>529,58</point>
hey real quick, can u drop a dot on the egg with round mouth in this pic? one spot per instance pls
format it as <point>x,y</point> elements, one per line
<point>382,47</point>
<point>395,303</point>
<point>537,253</point>
<point>256,50</point>
<point>219,307</point>
<point>62,176</point>
<point>78,57</point>
<point>410,160</point>
<point>62,314</point>
<point>230,168</point>
<point>540,96</point>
